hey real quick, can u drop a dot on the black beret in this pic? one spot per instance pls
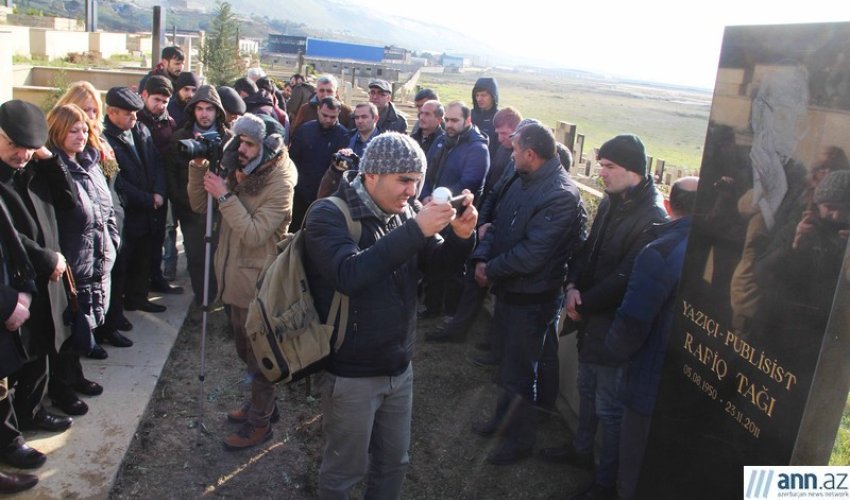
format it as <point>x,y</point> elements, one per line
<point>158,84</point>
<point>231,101</point>
<point>124,98</point>
<point>187,79</point>
<point>24,123</point>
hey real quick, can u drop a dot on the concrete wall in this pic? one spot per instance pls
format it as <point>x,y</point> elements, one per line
<point>139,43</point>
<point>6,49</point>
<point>106,44</point>
<point>46,22</point>
<point>21,75</point>
<point>20,41</point>
<point>101,78</point>
<point>49,44</point>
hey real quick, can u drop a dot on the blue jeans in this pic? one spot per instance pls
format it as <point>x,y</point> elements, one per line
<point>527,331</point>
<point>598,386</point>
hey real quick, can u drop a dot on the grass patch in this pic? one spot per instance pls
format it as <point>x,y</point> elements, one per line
<point>671,122</point>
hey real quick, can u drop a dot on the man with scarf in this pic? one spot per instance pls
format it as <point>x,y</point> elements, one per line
<point>255,204</point>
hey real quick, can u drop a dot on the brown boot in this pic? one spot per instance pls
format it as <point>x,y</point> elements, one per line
<point>241,414</point>
<point>247,436</point>
<point>13,482</point>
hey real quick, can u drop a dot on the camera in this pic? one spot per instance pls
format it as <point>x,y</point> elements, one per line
<point>350,161</point>
<point>204,146</point>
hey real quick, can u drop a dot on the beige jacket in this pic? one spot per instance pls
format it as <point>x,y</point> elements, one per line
<point>252,222</point>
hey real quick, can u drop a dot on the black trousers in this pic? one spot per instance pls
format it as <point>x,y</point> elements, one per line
<point>65,372</point>
<point>157,241</point>
<point>30,383</point>
<point>10,436</point>
<point>194,228</point>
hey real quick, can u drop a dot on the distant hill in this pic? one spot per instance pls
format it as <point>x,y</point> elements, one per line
<point>318,18</point>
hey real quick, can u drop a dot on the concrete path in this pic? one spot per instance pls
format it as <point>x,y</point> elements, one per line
<point>82,462</point>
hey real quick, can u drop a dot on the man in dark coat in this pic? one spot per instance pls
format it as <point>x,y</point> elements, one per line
<point>205,117</point>
<point>32,185</point>
<point>537,224</point>
<point>429,127</point>
<point>155,117</point>
<point>141,184</point>
<point>641,329</point>
<point>368,387</point>
<point>381,95</point>
<point>485,105</point>
<point>313,147</point>
<point>459,160</point>
<point>597,282</point>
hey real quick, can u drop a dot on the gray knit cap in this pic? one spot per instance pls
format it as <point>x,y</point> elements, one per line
<point>834,188</point>
<point>393,153</point>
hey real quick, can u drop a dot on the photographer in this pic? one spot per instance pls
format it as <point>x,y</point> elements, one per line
<point>255,202</point>
<point>205,118</point>
<point>141,184</point>
<point>366,128</point>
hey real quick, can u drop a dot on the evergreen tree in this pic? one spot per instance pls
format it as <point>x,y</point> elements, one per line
<point>220,52</point>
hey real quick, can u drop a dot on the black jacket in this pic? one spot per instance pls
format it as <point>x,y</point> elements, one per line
<point>392,121</point>
<point>138,178</point>
<point>484,119</point>
<point>536,225</point>
<point>312,149</point>
<point>379,274</point>
<point>32,195</point>
<point>601,269</point>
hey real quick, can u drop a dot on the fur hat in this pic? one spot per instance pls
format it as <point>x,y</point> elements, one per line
<point>834,188</point>
<point>627,151</point>
<point>265,131</point>
<point>393,153</point>
<point>24,123</point>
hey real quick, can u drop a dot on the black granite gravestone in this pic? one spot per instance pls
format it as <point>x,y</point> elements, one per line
<point>757,367</point>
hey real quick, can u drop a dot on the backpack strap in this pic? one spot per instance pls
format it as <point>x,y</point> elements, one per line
<point>340,302</point>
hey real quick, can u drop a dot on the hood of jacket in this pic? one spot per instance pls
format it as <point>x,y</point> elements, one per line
<point>206,93</point>
<point>490,85</point>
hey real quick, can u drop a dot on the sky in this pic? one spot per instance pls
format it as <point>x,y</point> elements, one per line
<point>666,41</point>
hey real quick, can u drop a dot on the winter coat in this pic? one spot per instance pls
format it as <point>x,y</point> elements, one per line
<point>139,177</point>
<point>253,221</point>
<point>641,329</point>
<point>536,226</point>
<point>312,150</point>
<point>391,120</point>
<point>299,96</point>
<point>32,195</point>
<point>460,167</point>
<point>379,273</point>
<point>427,143</point>
<point>88,235</point>
<point>309,111</point>
<point>484,119</point>
<point>161,128</point>
<point>16,275</point>
<point>177,164</point>
<point>602,267</point>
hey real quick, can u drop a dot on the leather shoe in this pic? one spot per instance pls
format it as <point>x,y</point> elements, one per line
<point>241,414</point>
<point>507,454</point>
<point>97,352</point>
<point>42,420</point>
<point>124,324</point>
<point>15,482</point>
<point>71,404</point>
<point>146,306</point>
<point>247,436</point>
<point>88,387</point>
<point>23,457</point>
<point>486,429</point>
<point>163,286</point>
<point>567,455</point>
<point>114,338</point>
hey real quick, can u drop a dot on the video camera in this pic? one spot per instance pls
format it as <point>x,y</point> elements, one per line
<point>208,146</point>
<point>350,161</point>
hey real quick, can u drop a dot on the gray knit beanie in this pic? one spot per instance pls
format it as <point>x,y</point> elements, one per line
<point>393,153</point>
<point>834,188</point>
<point>627,151</point>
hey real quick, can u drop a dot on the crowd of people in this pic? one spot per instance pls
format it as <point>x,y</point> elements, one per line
<point>89,189</point>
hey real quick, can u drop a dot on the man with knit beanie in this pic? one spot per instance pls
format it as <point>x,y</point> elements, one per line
<point>596,284</point>
<point>184,90</point>
<point>367,390</point>
<point>255,204</point>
